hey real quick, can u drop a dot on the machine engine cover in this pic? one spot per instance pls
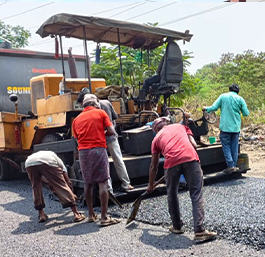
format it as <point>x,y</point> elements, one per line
<point>138,141</point>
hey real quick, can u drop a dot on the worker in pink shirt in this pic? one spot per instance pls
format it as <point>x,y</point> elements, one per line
<point>178,146</point>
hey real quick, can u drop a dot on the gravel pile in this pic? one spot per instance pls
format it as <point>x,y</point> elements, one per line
<point>254,138</point>
<point>235,209</point>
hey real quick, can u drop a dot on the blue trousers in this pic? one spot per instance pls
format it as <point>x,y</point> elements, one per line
<point>230,147</point>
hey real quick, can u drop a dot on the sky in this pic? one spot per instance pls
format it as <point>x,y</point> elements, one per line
<point>218,27</point>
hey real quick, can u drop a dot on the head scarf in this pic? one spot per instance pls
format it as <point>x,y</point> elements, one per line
<point>91,100</point>
<point>159,123</point>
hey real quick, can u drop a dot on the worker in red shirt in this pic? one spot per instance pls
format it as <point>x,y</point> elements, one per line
<point>178,146</point>
<point>90,128</point>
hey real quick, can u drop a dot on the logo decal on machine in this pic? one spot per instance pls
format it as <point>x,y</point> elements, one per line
<point>18,90</point>
<point>44,71</point>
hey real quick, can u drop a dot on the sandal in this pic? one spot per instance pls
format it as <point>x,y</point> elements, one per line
<point>109,222</point>
<point>176,231</point>
<point>92,219</point>
<point>79,218</point>
<point>205,236</point>
<point>43,219</point>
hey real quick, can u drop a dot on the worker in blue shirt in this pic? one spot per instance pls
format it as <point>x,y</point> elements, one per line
<point>232,106</point>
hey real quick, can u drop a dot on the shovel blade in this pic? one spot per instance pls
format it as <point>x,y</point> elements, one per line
<point>135,208</point>
<point>137,202</point>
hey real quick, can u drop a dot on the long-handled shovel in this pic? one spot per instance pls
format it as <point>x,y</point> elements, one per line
<point>137,202</point>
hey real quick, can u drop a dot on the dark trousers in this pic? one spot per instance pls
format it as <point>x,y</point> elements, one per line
<point>148,82</point>
<point>194,177</point>
<point>55,177</point>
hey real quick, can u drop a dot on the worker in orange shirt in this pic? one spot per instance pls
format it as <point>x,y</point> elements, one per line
<point>90,128</point>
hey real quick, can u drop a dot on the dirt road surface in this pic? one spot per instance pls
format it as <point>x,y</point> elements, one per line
<point>256,163</point>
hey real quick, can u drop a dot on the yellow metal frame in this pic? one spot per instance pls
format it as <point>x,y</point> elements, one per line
<point>77,84</point>
<point>57,104</point>
<point>8,123</point>
<point>28,132</point>
<point>52,120</point>
<point>51,84</point>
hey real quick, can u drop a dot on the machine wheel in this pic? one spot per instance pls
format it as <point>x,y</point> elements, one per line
<point>4,170</point>
<point>210,117</point>
<point>52,137</point>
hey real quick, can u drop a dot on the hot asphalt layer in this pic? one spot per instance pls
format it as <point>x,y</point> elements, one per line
<point>235,209</point>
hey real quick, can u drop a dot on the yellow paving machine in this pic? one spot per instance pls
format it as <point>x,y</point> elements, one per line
<point>54,105</point>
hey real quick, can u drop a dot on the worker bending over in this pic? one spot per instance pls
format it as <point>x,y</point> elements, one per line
<point>178,146</point>
<point>48,165</point>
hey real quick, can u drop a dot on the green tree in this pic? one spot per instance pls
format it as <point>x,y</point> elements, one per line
<point>17,35</point>
<point>134,64</point>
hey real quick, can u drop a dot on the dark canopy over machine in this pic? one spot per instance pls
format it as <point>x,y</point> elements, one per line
<point>102,30</point>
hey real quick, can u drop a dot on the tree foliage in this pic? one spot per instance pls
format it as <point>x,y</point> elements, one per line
<point>17,35</point>
<point>134,65</point>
